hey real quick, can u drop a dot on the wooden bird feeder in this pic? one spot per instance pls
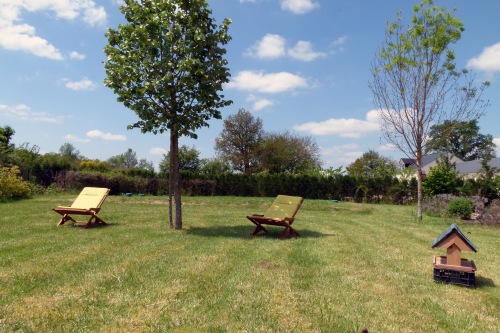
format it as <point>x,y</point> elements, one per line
<point>453,268</point>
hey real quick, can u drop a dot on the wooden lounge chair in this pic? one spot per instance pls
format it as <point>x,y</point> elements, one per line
<point>281,213</point>
<point>88,203</point>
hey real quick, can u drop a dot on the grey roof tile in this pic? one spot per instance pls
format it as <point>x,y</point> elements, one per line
<point>453,228</point>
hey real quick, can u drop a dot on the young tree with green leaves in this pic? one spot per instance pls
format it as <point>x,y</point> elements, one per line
<point>167,65</point>
<point>416,84</point>
<point>462,139</point>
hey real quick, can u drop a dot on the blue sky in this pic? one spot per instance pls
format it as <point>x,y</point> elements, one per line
<point>300,65</point>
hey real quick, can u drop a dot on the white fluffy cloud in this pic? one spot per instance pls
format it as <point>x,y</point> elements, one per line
<point>267,83</point>
<point>269,47</point>
<point>497,142</point>
<point>84,84</point>
<point>339,41</point>
<point>298,6</point>
<point>106,136</point>
<point>23,112</point>
<point>303,51</point>
<point>77,56</point>
<point>259,103</point>
<point>75,138</point>
<point>488,61</point>
<point>344,154</point>
<point>273,46</point>
<point>158,151</point>
<point>347,128</point>
<point>21,37</point>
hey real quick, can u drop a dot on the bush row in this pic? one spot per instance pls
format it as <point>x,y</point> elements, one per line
<point>387,190</point>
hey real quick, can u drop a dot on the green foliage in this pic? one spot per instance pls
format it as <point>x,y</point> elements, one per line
<point>460,207</point>
<point>372,164</point>
<point>49,165</point>
<point>69,151</point>
<point>189,160</point>
<point>167,66</point>
<point>440,180</point>
<point>94,166</point>
<point>127,160</point>
<point>11,185</point>
<point>487,181</point>
<point>214,166</point>
<point>6,147</point>
<point>288,152</point>
<point>240,140</point>
<point>26,156</point>
<point>6,133</point>
<point>462,139</point>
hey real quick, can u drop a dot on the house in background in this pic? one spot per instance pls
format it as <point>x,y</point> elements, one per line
<point>468,169</point>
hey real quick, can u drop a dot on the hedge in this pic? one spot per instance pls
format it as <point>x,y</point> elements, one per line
<point>376,190</point>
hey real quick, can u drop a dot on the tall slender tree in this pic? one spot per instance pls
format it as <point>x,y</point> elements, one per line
<point>167,65</point>
<point>416,84</point>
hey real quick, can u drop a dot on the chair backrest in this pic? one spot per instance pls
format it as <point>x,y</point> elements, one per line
<point>284,206</point>
<point>90,197</point>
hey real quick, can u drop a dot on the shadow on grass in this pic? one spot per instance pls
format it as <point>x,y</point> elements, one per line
<point>245,231</point>
<point>94,226</point>
<point>482,281</point>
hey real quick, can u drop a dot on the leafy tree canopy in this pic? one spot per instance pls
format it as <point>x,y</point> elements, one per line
<point>6,134</point>
<point>462,139</point>
<point>166,64</point>
<point>189,160</point>
<point>372,164</point>
<point>70,151</point>
<point>239,141</point>
<point>288,152</point>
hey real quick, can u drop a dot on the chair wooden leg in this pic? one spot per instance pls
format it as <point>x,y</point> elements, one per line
<point>291,232</point>
<point>258,229</point>
<point>89,223</point>
<point>65,218</point>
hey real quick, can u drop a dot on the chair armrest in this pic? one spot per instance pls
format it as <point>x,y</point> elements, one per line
<point>289,219</point>
<point>259,215</point>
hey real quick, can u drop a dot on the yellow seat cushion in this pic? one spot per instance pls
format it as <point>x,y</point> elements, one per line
<point>90,197</point>
<point>283,206</point>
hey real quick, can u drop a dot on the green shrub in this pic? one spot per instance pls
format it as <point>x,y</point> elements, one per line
<point>460,207</point>
<point>440,180</point>
<point>11,185</point>
<point>36,188</point>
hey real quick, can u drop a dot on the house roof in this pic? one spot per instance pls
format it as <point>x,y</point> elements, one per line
<point>425,160</point>
<point>448,232</point>
<point>429,159</point>
<point>475,166</point>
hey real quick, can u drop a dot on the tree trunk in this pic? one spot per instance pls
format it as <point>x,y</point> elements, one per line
<point>420,192</point>
<point>174,157</point>
<point>170,185</point>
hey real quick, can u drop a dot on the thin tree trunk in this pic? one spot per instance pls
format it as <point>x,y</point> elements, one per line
<point>420,192</point>
<point>170,185</point>
<point>174,157</point>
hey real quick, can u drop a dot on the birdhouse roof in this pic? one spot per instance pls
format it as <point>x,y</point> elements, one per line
<point>453,229</point>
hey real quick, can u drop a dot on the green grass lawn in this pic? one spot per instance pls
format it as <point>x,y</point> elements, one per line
<point>355,266</point>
